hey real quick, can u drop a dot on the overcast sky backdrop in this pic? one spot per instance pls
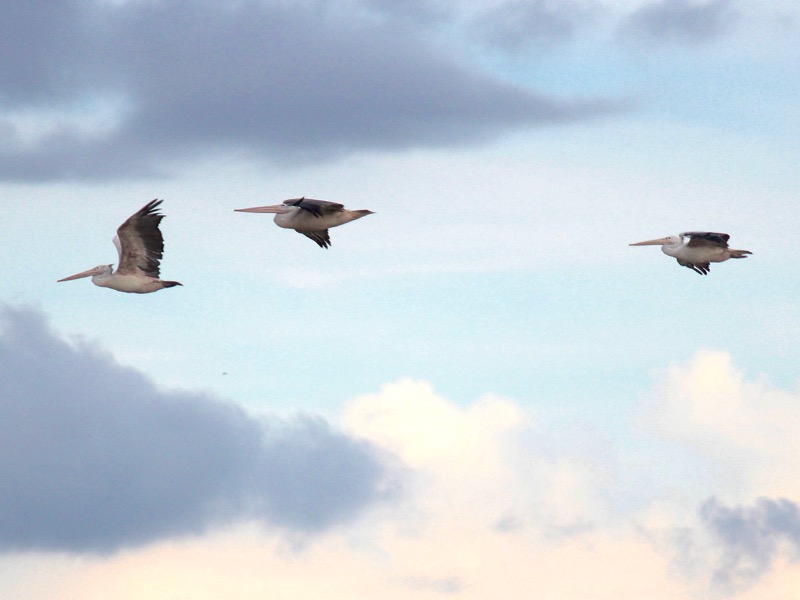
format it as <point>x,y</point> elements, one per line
<point>480,390</point>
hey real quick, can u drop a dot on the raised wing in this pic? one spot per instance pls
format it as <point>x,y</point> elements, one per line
<point>318,208</point>
<point>320,236</point>
<point>140,243</point>
<point>707,238</point>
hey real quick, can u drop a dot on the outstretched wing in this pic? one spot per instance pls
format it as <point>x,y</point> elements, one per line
<point>706,238</point>
<point>140,243</point>
<point>320,236</point>
<point>318,208</point>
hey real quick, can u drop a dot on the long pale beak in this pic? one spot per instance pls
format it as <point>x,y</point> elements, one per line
<point>658,242</point>
<point>88,273</point>
<point>275,208</point>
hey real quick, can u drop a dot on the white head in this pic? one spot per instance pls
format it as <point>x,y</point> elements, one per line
<point>98,271</point>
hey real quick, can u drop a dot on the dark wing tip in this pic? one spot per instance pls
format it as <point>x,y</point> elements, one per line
<point>702,268</point>
<point>321,237</point>
<point>144,219</point>
<point>150,208</point>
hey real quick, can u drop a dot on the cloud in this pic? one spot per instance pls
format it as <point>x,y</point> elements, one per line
<point>47,54</point>
<point>751,538</point>
<point>744,427</point>
<point>468,465</point>
<point>260,80</point>
<point>483,492</point>
<point>732,436</point>
<point>420,11</point>
<point>96,458</point>
<point>519,26</point>
<point>487,463</point>
<point>681,20</point>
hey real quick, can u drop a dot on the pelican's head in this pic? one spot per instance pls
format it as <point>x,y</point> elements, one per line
<point>279,209</point>
<point>672,240</point>
<point>99,270</point>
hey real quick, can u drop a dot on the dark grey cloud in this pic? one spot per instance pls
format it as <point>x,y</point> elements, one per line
<point>37,41</point>
<point>681,21</point>
<point>532,25</point>
<point>268,80</point>
<point>93,457</point>
<point>751,537</point>
<point>420,11</point>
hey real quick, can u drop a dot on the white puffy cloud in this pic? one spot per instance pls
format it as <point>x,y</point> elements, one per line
<point>747,427</point>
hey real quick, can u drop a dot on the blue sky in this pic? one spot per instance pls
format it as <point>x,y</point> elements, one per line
<point>482,364</point>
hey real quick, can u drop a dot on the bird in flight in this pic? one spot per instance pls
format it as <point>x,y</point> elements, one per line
<point>696,250</point>
<point>140,246</point>
<point>310,217</point>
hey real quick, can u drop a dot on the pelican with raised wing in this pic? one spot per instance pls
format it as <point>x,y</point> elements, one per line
<point>310,217</point>
<point>140,246</point>
<point>696,250</point>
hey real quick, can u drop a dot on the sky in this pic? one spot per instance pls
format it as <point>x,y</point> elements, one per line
<point>478,391</point>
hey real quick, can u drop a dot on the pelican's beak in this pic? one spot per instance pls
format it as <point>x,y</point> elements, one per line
<point>658,242</point>
<point>275,208</point>
<point>89,273</point>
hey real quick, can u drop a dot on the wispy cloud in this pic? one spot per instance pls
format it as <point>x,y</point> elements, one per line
<point>518,26</point>
<point>681,21</point>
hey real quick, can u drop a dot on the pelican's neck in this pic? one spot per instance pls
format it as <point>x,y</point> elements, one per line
<point>674,247</point>
<point>289,218</point>
<point>103,279</point>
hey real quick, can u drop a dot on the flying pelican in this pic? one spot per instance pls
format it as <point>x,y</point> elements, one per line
<point>140,245</point>
<point>310,217</point>
<point>698,251</point>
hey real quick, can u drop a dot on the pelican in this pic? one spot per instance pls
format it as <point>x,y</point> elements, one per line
<point>140,245</point>
<point>310,217</point>
<point>697,249</point>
